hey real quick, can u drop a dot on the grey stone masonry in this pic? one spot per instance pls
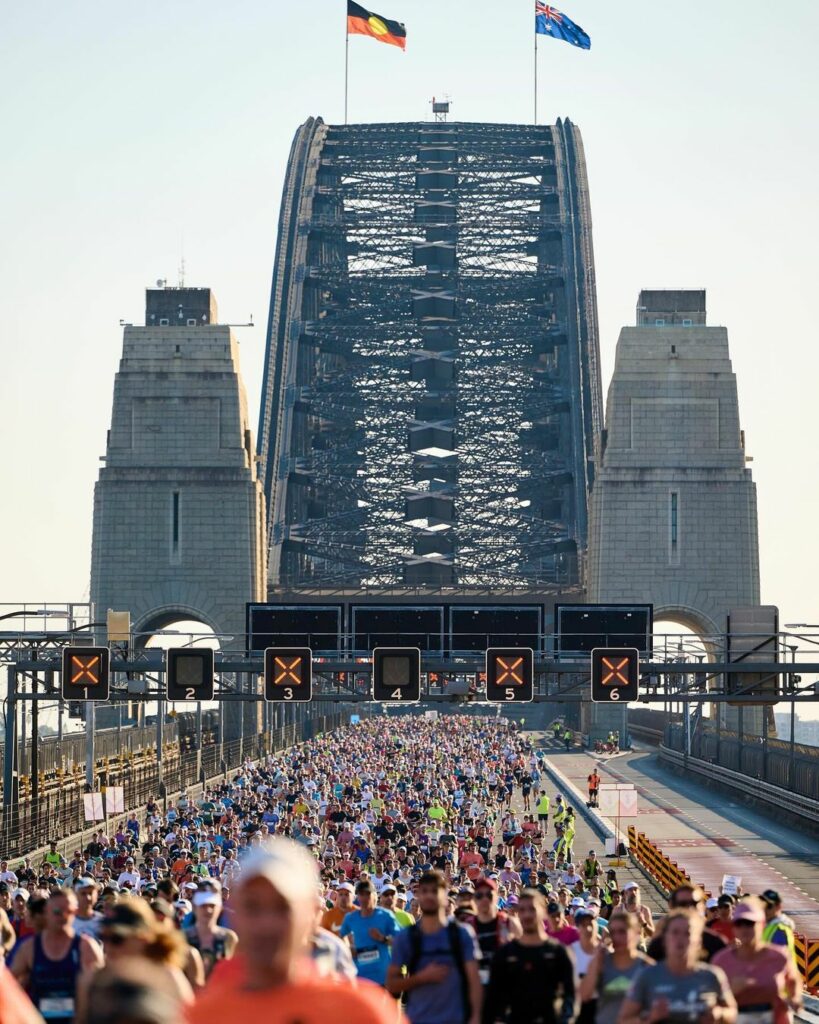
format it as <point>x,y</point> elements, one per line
<point>178,509</point>
<point>673,509</point>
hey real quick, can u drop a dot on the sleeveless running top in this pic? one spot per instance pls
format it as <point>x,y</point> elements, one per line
<point>209,956</point>
<point>53,982</point>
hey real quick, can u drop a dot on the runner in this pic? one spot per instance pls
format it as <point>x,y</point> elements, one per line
<point>49,965</point>
<point>688,897</point>
<point>631,903</point>
<point>493,927</point>
<point>434,962</point>
<point>369,931</point>
<point>682,989</point>
<point>611,972</point>
<point>763,978</point>
<point>214,943</point>
<point>275,914</point>
<point>532,977</point>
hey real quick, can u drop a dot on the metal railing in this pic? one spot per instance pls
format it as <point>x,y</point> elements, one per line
<point>29,825</point>
<point>792,768</point>
<point>803,804</point>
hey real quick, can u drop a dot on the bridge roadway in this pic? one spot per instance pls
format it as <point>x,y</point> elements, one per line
<point>706,831</point>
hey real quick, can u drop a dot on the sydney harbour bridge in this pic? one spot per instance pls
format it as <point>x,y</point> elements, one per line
<point>432,393</point>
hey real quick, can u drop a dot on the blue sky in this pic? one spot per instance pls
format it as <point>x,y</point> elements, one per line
<point>133,133</point>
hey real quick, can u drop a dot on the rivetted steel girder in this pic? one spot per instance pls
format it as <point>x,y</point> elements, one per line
<point>431,393</point>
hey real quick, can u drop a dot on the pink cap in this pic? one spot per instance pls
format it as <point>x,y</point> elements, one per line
<point>748,912</point>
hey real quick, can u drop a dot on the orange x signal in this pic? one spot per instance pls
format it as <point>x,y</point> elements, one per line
<point>615,676</point>
<point>508,672</point>
<point>82,670</point>
<point>287,672</point>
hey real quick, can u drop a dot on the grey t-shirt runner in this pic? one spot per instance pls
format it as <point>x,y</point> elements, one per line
<point>689,995</point>
<point>613,985</point>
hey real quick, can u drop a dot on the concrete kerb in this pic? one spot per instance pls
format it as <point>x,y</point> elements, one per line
<point>601,825</point>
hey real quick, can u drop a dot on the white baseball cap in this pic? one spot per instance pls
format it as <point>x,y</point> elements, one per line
<point>710,904</point>
<point>286,865</point>
<point>206,899</point>
<point>630,885</point>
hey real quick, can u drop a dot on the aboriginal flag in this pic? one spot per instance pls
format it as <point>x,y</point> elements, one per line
<point>360,22</point>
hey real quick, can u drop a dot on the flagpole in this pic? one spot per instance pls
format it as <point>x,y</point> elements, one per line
<point>346,63</point>
<point>536,74</point>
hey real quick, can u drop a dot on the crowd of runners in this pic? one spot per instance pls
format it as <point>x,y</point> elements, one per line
<point>398,866</point>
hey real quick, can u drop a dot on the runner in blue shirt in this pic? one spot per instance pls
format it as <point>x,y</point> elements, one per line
<point>369,931</point>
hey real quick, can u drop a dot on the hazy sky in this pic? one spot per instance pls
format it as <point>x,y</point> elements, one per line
<point>134,132</point>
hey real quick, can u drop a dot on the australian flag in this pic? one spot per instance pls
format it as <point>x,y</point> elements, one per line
<point>550,22</point>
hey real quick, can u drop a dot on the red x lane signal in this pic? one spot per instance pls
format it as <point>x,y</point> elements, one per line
<point>615,674</point>
<point>288,671</point>
<point>288,674</point>
<point>85,673</point>
<point>509,674</point>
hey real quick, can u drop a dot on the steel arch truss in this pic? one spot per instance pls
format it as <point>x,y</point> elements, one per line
<point>431,393</point>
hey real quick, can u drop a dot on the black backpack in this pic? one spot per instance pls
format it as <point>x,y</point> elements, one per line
<point>454,937</point>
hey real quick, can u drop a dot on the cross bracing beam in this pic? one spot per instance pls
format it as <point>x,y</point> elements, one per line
<point>466,227</point>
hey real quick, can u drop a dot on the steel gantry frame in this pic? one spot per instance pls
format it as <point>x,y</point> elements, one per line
<point>432,392</point>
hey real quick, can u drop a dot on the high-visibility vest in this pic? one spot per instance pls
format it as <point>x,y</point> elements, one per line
<point>543,805</point>
<point>775,926</point>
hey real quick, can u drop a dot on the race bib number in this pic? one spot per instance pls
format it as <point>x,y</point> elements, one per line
<point>369,956</point>
<point>755,1017</point>
<point>57,1007</point>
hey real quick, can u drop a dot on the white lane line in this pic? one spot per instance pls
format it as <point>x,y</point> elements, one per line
<point>759,828</point>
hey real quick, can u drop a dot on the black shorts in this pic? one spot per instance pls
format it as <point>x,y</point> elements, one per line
<point>543,817</point>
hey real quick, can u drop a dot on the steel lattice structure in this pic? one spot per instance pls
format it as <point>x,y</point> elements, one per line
<point>432,392</point>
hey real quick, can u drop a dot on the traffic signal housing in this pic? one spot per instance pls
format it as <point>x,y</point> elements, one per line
<point>615,674</point>
<point>189,673</point>
<point>397,674</point>
<point>288,674</point>
<point>510,675</point>
<point>85,673</point>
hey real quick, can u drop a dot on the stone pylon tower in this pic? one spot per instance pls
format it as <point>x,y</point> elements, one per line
<point>673,513</point>
<point>178,509</point>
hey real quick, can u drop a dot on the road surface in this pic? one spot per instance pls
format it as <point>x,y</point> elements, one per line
<point>708,832</point>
